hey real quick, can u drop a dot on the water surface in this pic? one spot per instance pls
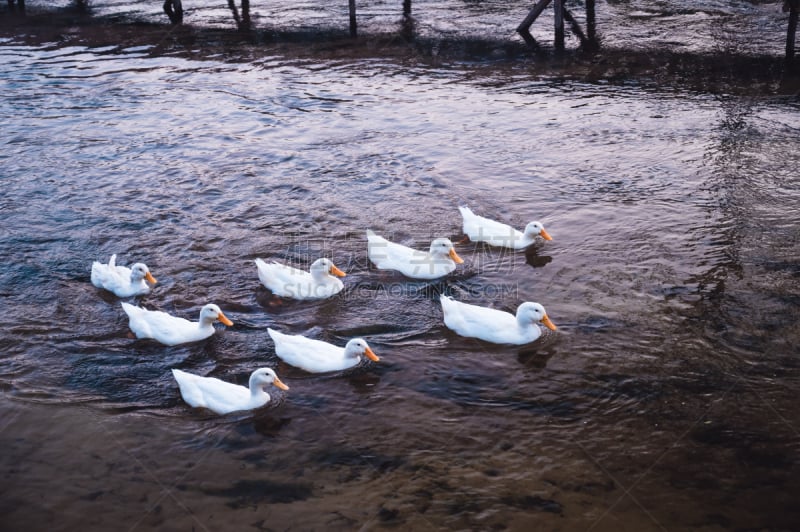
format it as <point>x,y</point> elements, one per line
<point>666,399</point>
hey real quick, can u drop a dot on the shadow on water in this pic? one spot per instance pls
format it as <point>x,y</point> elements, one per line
<point>536,259</point>
<point>251,493</point>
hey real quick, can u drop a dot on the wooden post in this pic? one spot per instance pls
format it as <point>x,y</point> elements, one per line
<point>178,10</point>
<point>794,8</point>
<point>406,8</point>
<point>575,27</point>
<point>591,23</point>
<point>353,28</point>
<point>558,18</point>
<point>524,28</point>
<point>174,11</point>
<point>246,23</point>
<point>232,7</point>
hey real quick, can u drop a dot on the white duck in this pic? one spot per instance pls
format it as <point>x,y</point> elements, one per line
<point>438,262</point>
<point>317,283</point>
<point>224,397</point>
<point>171,330</point>
<point>480,229</point>
<point>316,356</point>
<point>122,281</point>
<point>495,325</point>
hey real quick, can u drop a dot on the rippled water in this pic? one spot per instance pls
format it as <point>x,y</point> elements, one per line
<point>666,399</point>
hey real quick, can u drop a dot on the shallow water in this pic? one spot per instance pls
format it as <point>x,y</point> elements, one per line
<point>665,400</point>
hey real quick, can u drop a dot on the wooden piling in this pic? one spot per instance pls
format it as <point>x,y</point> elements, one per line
<point>174,10</point>
<point>353,28</point>
<point>575,27</point>
<point>793,6</point>
<point>558,18</point>
<point>232,7</point>
<point>525,26</point>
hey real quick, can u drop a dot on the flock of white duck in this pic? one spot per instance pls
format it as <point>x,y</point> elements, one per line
<point>321,281</point>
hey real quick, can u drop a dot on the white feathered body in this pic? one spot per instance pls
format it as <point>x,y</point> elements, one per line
<point>487,324</point>
<point>117,279</point>
<point>216,395</point>
<point>410,262</point>
<point>286,281</point>
<point>480,229</point>
<point>312,355</point>
<point>165,328</point>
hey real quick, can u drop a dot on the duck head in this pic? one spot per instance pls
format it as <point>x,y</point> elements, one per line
<point>211,313</point>
<point>533,313</point>
<point>443,247</point>
<point>139,271</point>
<point>322,267</point>
<point>535,229</point>
<point>358,347</point>
<point>263,377</point>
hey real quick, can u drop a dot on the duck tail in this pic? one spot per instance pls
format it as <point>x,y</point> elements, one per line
<point>446,302</point>
<point>129,309</point>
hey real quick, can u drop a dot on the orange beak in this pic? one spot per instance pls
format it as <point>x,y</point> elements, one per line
<point>549,324</point>
<point>455,257</point>
<point>150,278</point>
<point>224,319</point>
<point>544,234</point>
<point>277,382</point>
<point>372,356</point>
<point>336,271</point>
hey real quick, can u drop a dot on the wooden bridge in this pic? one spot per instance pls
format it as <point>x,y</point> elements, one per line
<point>588,39</point>
<point>561,16</point>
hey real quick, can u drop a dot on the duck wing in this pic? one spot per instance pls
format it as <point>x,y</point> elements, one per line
<point>209,392</point>
<point>312,355</point>
<point>158,325</point>
<point>478,322</point>
<point>411,262</point>
<point>110,276</point>
<point>481,229</point>
<point>280,278</point>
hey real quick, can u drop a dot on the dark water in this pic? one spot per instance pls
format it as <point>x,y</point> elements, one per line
<point>667,399</point>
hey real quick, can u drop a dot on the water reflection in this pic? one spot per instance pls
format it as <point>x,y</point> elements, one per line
<point>535,259</point>
<point>364,382</point>
<point>267,423</point>
<point>536,356</point>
